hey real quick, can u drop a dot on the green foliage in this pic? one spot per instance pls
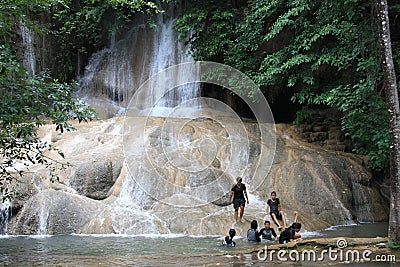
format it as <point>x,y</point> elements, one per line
<point>365,120</point>
<point>28,102</point>
<point>79,27</point>
<point>393,245</point>
<point>213,24</point>
<point>303,117</point>
<point>325,52</point>
<point>137,5</point>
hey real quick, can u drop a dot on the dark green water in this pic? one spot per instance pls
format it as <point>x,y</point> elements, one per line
<point>355,230</point>
<point>164,250</point>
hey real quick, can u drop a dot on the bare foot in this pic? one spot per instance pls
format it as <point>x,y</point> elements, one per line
<point>233,225</point>
<point>241,220</point>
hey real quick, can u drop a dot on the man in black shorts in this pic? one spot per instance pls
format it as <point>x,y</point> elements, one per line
<point>274,209</point>
<point>238,192</point>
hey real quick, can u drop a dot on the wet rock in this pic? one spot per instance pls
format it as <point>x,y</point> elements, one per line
<point>54,212</point>
<point>134,187</point>
<point>95,178</point>
<point>223,201</point>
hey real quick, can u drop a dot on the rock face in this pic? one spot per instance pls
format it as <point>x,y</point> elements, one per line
<point>94,180</point>
<point>330,137</point>
<point>326,187</point>
<point>135,180</point>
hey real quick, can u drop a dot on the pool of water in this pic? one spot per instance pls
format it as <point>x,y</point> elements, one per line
<point>93,250</point>
<point>354,230</point>
<point>166,250</point>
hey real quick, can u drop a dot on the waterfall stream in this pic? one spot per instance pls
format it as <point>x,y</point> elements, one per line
<point>29,59</point>
<point>115,73</point>
<point>5,215</point>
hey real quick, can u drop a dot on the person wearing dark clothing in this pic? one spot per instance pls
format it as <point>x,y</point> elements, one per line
<point>291,233</point>
<point>267,232</point>
<point>239,194</point>
<point>228,240</point>
<point>252,234</point>
<point>274,209</point>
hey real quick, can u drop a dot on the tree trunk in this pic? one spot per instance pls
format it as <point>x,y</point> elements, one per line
<point>392,101</point>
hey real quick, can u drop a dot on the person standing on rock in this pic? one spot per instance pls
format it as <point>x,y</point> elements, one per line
<point>274,209</point>
<point>239,194</point>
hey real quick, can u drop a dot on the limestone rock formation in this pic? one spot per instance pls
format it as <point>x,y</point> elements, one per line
<point>129,182</point>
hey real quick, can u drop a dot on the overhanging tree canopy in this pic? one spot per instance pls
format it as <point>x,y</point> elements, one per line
<point>323,52</point>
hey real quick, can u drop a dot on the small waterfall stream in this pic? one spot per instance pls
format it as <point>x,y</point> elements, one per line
<point>29,59</point>
<point>43,214</point>
<point>5,215</point>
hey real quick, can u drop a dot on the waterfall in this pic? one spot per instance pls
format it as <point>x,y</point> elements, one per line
<point>5,215</point>
<point>43,216</point>
<point>29,51</point>
<point>115,73</point>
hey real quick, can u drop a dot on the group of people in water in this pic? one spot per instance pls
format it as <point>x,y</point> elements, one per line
<point>238,197</point>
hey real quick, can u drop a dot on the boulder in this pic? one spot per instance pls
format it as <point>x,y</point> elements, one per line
<point>95,178</point>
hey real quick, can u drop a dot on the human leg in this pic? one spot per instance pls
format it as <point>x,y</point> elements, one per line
<point>236,205</point>
<point>236,215</point>
<point>296,215</point>
<point>273,215</point>
<point>282,215</point>
<point>241,213</point>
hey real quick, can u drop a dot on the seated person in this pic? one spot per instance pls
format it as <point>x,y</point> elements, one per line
<point>228,241</point>
<point>252,234</point>
<point>267,232</point>
<point>274,209</point>
<point>291,233</point>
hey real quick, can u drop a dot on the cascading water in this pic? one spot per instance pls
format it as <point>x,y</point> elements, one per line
<point>5,215</point>
<point>115,73</point>
<point>29,61</point>
<point>43,215</point>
